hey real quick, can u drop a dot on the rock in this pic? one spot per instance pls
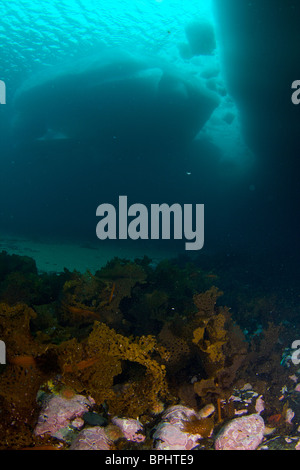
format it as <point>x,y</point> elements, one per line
<point>281,443</point>
<point>177,414</point>
<point>93,438</point>
<point>170,433</point>
<point>207,411</point>
<point>245,433</point>
<point>131,428</point>
<point>58,414</point>
<point>246,401</point>
<point>170,437</point>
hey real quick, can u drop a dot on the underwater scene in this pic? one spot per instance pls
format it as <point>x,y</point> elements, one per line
<point>149,225</point>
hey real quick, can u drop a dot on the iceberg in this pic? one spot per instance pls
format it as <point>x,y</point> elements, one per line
<point>116,101</point>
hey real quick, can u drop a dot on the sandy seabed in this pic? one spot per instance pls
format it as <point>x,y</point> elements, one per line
<point>55,255</point>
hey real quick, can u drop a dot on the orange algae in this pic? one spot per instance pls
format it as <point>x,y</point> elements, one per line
<point>219,410</point>
<point>21,378</point>
<point>274,419</point>
<point>24,361</point>
<point>67,392</point>
<point>202,426</point>
<point>81,365</point>
<point>79,312</point>
<point>112,293</point>
<point>110,352</point>
<point>113,432</point>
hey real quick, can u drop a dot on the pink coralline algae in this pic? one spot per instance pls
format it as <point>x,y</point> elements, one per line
<point>170,435</point>
<point>131,428</point>
<point>259,405</point>
<point>289,415</point>
<point>59,413</point>
<point>245,433</point>
<point>178,413</point>
<point>93,438</point>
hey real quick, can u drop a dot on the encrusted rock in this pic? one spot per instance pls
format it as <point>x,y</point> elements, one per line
<point>245,433</point>
<point>177,414</point>
<point>170,433</point>
<point>132,429</point>
<point>59,413</point>
<point>94,438</point>
<point>170,437</point>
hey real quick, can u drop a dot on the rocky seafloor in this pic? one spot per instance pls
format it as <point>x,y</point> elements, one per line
<point>175,355</point>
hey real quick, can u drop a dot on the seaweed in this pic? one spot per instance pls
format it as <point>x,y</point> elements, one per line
<point>134,336</point>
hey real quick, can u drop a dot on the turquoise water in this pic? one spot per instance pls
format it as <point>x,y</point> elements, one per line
<point>216,161</point>
<point>35,33</point>
<point>173,44</point>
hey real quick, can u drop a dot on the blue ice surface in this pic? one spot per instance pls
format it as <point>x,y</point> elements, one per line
<point>45,32</point>
<point>37,35</point>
